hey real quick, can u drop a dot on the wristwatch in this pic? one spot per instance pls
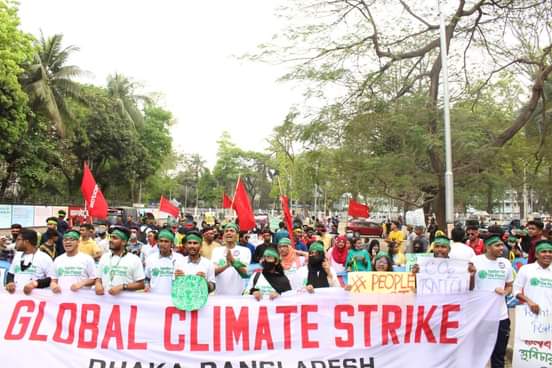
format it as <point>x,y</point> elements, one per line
<point>125,286</point>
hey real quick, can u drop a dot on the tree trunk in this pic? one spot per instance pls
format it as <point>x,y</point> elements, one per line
<point>6,181</point>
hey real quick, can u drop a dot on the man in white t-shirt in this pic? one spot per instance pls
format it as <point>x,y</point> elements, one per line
<point>119,270</point>
<point>194,263</point>
<point>30,268</point>
<point>160,265</point>
<point>533,283</point>
<point>72,270</point>
<point>494,273</point>
<point>459,250</point>
<point>230,263</point>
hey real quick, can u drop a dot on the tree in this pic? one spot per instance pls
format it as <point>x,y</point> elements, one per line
<point>378,57</point>
<point>49,81</point>
<point>123,91</point>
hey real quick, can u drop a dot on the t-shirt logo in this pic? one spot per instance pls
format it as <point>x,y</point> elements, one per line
<point>155,272</point>
<point>60,272</point>
<point>17,268</point>
<point>482,274</point>
<point>106,269</point>
<point>222,262</point>
<point>534,281</point>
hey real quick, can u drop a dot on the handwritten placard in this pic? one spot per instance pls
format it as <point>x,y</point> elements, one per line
<point>381,282</point>
<point>533,339</point>
<point>442,276</point>
<point>412,259</point>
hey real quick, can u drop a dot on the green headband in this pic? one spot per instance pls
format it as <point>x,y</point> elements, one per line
<point>544,245</point>
<point>232,225</point>
<point>284,241</point>
<point>166,234</point>
<point>120,234</point>
<point>382,254</point>
<point>512,239</point>
<point>52,222</point>
<point>492,240</point>
<point>270,252</point>
<point>316,247</point>
<point>441,240</point>
<point>72,234</point>
<point>195,237</point>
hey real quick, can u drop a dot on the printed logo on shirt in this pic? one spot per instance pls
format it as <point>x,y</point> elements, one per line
<point>162,271</point>
<point>222,262</point>
<point>492,274</point>
<point>29,271</point>
<point>116,270</point>
<point>69,271</point>
<point>541,282</point>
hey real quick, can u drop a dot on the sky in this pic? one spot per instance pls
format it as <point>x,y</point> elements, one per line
<point>187,51</point>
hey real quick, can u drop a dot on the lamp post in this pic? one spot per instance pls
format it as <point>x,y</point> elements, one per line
<point>449,179</point>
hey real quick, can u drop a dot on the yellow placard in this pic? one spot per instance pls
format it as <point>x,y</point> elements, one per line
<point>382,282</point>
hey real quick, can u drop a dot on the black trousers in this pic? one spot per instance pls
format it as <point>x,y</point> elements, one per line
<point>499,351</point>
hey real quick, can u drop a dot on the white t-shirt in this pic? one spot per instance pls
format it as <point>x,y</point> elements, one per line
<point>70,270</point>
<point>115,270</point>
<point>40,267</point>
<point>536,284</point>
<point>229,281</point>
<point>301,277</point>
<point>492,274</point>
<point>160,271</point>
<point>190,268</point>
<point>147,250</point>
<point>461,251</point>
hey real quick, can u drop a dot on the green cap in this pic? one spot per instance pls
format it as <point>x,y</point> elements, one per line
<point>195,237</point>
<point>72,234</point>
<point>492,240</point>
<point>442,240</point>
<point>120,234</point>
<point>166,234</point>
<point>270,252</point>
<point>382,254</point>
<point>512,239</point>
<point>543,245</point>
<point>317,247</point>
<point>284,241</point>
<point>232,225</point>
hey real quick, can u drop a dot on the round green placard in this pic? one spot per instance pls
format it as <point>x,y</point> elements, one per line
<point>189,292</point>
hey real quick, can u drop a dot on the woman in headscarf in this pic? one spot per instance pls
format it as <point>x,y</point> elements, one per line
<point>337,255</point>
<point>271,280</point>
<point>291,259</point>
<point>317,273</point>
<point>383,263</point>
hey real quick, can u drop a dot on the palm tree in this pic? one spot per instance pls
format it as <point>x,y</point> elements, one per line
<point>123,90</point>
<point>48,81</point>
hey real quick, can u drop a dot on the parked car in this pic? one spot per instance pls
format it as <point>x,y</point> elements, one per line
<point>365,228</point>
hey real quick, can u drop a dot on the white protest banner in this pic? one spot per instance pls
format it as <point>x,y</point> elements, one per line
<point>327,329</point>
<point>442,276</point>
<point>412,259</point>
<point>533,339</point>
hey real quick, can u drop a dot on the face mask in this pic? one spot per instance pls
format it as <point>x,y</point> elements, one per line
<point>133,236</point>
<point>316,260</point>
<point>268,266</point>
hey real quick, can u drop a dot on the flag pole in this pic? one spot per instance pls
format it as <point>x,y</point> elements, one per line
<point>235,190</point>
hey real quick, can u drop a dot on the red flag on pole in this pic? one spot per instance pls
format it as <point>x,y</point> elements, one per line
<point>242,206</point>
<point>358,209</point>
<point>166,206</point>
<point>94,200</point>
<point>226,201</point>
<point>288,220</point>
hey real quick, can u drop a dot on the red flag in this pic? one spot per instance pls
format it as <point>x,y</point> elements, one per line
<point>226,201</point>
<point>288,220</point>
<point>93,197</point>
<point>242,206</point>
<point>166,206</point>
<point>358,209</point>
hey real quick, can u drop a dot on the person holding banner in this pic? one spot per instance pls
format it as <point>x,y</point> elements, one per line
<point>194,263</point>
<point>494,273</point>
<point>272,281</point>
<point>533,283</point>
<point>30,268</point>
<point>160,266</point>
<point>119,270</point>
<point>317,273</point>
<point>230,262</point>
<point>73,270</point>
<point>358,259</point>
